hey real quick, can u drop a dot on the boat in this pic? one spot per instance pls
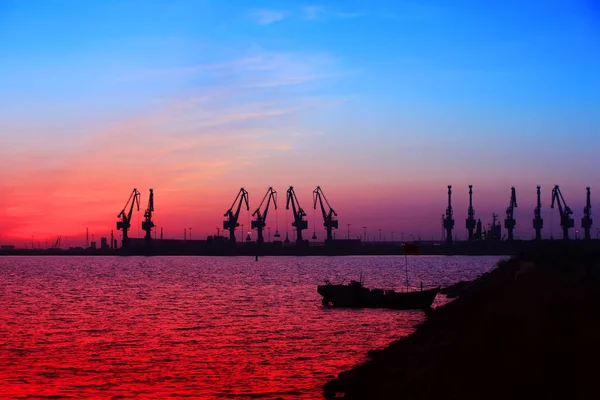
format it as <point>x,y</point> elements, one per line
<point>355,295</point>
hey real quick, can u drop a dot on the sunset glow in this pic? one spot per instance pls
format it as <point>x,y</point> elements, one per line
<point>195,100</point>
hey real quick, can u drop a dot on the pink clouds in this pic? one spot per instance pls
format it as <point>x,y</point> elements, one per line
<point>192,151</point>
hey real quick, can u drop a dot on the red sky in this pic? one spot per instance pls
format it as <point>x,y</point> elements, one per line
<point>381,108</point>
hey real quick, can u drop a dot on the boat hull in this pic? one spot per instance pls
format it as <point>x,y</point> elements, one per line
<point>357,296</point>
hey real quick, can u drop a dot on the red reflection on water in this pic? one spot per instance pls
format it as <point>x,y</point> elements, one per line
<point>198,327</point>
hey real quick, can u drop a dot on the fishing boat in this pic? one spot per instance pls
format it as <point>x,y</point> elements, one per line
<point>355,295</point>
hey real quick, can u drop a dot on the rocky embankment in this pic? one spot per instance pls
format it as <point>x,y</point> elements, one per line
<point>528,329</point>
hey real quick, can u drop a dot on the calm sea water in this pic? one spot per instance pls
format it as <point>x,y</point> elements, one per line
<point>201,327</point>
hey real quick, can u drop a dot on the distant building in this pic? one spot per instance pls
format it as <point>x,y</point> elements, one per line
<point>103,243</point>
<point>7,247</point>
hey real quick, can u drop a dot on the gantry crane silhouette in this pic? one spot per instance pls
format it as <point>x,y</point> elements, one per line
<point>538,222</point>
<point>586,221</point>
<point>232,217</point>
<point>448,220</point>
<point>470,221</point>
<point>566,222</point>
<point>261,217</point>
<point>329,221</point>
<point>125,223</point>
<point>299,223</point>
<point>148,224</point>
<point>509,222</point>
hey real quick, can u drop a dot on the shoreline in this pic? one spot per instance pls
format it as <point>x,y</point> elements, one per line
<point>528,328</point>
<point>339,248</point>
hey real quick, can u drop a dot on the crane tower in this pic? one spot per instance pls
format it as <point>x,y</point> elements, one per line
<point>538,222</point>
<point>566,222</point>
<point>148,224</point>
<point>125,223</point>
<point>448,223</point>
<point>261,217</point>
<point>232,217</point>
<point>586,221</point>
<point>299,223</point>
<point>509,222</point>
<point>329,222</point>
<point>470,221</point>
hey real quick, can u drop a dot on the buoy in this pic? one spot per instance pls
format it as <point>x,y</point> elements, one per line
<point>256,259</point>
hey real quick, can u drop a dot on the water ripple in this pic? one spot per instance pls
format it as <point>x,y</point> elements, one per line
<point>197,327</point>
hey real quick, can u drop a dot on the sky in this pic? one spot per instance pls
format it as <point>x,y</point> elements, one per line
<point>381,103</point>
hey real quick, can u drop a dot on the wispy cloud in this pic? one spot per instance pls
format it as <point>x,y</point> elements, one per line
<point>258,69</point>
<point>205,137</point>
<point>265,17</point>
<point>309,12</point>
<point>312,12</point>
<point>286,80</point>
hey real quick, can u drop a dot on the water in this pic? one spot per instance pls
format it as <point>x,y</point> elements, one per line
<point>201,327</point>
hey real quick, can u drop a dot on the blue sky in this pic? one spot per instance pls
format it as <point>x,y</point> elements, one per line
<point>345,92</point>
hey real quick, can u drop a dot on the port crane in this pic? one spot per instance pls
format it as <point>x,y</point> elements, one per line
<point>148,224</point>
<point>448,221</point>
<point>299,223</point>
<point>509,222</point>
<point>329,222</point>
<point>125,223</point>
<point>470,221</point>
<point>261,217</point>
<point>586,221</point>
<point>565,212</point>
<point>538,222</point>
<point>232,218</point>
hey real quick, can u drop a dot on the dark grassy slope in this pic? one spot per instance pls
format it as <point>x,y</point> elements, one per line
<point>534,334</point>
